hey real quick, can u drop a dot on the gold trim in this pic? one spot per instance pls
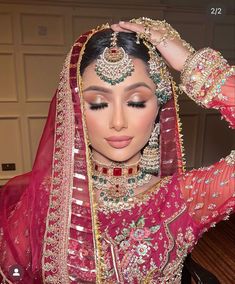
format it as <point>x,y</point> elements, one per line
<point>179,127</point>
<point>55,247</point>
<point>171,245</point>
<point>99,259</point>
<point>4,278</point>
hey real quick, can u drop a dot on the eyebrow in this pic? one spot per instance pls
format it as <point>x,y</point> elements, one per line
<point>98,88</point>
<point>109,91</point>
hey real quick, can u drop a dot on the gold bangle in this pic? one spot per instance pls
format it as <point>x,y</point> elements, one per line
<point>199,71</point>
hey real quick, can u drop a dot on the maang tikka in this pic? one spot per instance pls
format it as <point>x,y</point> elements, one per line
<point>114,64</point>
<point>150,159</point>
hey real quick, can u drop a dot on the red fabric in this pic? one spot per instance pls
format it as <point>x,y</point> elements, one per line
<point>23,207</point>
<point>227,106</point>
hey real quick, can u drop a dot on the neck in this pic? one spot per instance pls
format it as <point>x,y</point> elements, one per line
<point>102,160</point>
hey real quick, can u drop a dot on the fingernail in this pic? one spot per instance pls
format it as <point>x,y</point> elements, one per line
<point>121,22</point>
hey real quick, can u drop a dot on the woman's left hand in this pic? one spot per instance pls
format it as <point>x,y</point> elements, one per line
<point>173,51</point>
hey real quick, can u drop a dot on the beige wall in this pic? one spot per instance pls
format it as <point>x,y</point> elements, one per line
<point>34,40</point>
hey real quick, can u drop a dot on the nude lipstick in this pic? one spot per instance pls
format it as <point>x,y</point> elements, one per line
<point>119,142</point>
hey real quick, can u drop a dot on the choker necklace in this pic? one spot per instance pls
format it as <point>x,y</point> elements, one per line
<point>117,181</point>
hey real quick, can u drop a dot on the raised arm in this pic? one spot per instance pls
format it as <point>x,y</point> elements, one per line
<point>208,79</point>
<point>209,192</point>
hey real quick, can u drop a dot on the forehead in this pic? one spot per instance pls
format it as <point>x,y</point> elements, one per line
<point>140,74</point>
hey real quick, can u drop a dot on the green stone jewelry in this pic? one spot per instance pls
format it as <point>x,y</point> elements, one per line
<point>116,182</point>
<point>160,75</point>
<point>114,64</point>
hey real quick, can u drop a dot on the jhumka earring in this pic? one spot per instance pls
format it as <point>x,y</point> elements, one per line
<point>114,64</point>
<point>150,160</point>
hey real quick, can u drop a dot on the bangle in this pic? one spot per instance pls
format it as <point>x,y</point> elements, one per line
<point>198,69</point>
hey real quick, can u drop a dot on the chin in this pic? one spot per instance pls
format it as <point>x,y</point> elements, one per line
<point>121,158</point>
<point>123,155</point>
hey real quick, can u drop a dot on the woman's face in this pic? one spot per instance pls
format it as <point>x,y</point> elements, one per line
<point>119,118</point>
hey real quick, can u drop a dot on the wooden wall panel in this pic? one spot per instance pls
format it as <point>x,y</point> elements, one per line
<point>6,28</point>
<point>42,29</point>
<point>11,146</point>
<point>8,90</point>
<point>42,75</point>
<point>82,24</point>
<point>224,39</point>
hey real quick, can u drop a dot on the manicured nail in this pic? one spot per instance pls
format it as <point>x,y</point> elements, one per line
<point>121,22</point>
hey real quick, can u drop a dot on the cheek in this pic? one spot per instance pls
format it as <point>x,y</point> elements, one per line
<point>94,123</point>
<point>145,119</point>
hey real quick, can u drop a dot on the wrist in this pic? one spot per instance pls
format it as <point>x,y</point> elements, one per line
<point>199,74</point>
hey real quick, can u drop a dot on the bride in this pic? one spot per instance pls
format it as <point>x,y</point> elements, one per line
<point>108,199</point>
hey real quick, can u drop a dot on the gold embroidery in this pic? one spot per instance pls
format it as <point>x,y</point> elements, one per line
<point>99,258</point>
<point>180,147</point>
<point>54,258</point>
<point>4,278</point>
<point>138,199</point>
<point>230,159</point>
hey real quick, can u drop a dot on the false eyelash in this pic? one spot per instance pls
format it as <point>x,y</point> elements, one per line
<point>103,105</point>
<point>136,104</point>
<point>98,106</point>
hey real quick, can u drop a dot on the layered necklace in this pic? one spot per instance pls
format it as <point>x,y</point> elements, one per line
<point>116,182</point>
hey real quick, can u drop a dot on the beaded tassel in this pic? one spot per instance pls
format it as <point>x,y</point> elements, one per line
<point>150,159</point>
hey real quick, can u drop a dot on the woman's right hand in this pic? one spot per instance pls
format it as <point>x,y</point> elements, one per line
<point>173,51</point>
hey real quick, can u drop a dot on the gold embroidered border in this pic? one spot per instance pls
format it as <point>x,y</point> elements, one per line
<point>169,235</point>
<point>5,280</point>
<point>54,258</point>
<point>99,258</point>
<point>179,139</point>
<point>164,264</point>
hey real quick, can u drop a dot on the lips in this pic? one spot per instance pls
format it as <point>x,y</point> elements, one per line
<point>119,141</point>
<point>119,138</point>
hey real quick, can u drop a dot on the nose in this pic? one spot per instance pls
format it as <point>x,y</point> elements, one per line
<point>118,118</point>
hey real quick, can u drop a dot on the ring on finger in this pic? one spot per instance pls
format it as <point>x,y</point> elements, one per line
<point>147,33</point>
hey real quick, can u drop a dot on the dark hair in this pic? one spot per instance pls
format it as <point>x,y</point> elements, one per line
<point>97,43</point>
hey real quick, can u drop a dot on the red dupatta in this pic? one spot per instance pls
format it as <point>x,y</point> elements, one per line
<point>40,210</point>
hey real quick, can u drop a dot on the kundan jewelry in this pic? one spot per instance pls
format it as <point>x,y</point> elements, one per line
<point>114,64</point>
<point>150,160</point>
<point>203,74</point>
<point>169,33</point>
<point>158,71</point>
<point>116,182</point>
<point>160,75</point>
